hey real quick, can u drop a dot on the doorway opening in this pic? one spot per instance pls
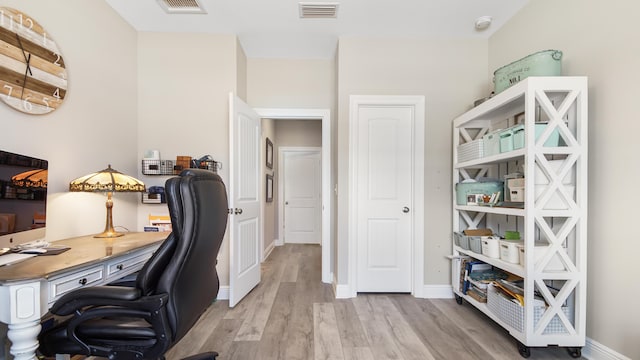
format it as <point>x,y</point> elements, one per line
<point>324,116</point>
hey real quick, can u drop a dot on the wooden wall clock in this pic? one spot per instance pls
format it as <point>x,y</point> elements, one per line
<point>33,75</point>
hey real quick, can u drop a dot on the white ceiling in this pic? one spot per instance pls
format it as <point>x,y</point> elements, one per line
<point>273,28</point>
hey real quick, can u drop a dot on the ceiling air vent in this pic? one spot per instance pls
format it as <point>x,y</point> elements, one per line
<point>318,10</point>
<point>182,6</point>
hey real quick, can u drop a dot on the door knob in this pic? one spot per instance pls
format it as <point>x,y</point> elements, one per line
<point>237,211</point>
<point>286,203</point>
<point>405,209</point>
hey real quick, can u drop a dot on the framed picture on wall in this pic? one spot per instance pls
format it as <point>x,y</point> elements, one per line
<point>269,153</point>
<point>269,192</point>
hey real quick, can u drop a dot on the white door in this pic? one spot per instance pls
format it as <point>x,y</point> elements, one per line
<point>302,197</point>
<point>384,199</point>
<point>244,199</point>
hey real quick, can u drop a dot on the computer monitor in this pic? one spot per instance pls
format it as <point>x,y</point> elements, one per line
<point>23,198</point>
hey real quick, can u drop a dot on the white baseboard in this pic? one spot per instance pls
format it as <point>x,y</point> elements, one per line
<point>278,242</point>
<point>342,291</point>
<point>593,350</point>
<point>437,292</point>
<point>268,250</point>
<point>223,293</point>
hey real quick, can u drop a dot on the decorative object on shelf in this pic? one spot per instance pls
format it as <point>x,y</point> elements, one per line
<point>269,192</point>
<point>34,74</point>
<point>157,166</point>
<point>269,153</point>
<point>35,179</point>
<point>109,181</point>
<point>541,63</point>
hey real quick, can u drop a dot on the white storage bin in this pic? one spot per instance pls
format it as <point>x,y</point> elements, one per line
<point>491,246</point>
<point>470,150</point>
<point>516,193</point>
<point>513,314</point>
<point>509,251</point>
<point>539,250</point>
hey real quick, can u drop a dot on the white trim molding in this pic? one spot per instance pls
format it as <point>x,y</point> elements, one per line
<point>268,250</point>
<point>595,351</point>
<point>437,292</point>
<point>223,293</point>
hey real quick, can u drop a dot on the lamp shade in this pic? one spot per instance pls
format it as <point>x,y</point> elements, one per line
<point>107,180</point>
<point>37,178</point>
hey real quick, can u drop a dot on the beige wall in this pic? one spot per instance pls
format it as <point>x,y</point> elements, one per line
<point>183,104</point>
<point>282,83</point>
<point>96,124</point>
<point>450,73</point>
<point>600,40</point>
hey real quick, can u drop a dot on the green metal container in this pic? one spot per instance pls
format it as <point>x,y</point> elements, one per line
<point>542,63</point>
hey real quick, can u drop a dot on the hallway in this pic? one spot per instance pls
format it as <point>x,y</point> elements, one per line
<point>292,315</point>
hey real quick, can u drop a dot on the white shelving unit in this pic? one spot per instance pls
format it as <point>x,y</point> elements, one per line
<point>553,220</point>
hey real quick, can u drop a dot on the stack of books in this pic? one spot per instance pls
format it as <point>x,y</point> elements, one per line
<point>476,276</point>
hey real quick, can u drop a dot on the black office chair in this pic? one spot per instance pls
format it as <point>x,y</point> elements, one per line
<point>172,290</point>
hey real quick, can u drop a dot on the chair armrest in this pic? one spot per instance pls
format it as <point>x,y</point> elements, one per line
<point>94,296</point>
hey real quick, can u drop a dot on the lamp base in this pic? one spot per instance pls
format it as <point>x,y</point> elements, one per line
<point>108,234</point>
<point>109,231</point>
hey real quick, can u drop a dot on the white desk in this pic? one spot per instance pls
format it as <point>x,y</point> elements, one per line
<point>29,288</point>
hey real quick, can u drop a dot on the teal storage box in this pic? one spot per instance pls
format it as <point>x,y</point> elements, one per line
<point>466,193</point>
<point>491,143</point>
<point>553,140</point>
<point>506,140</point>
<point>542,63</point>
<point>518,137</point>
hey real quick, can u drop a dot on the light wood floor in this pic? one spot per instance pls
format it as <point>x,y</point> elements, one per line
<point>292,315</point>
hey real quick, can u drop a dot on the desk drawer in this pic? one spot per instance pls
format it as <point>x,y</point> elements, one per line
<point>127,264</point>
<point>87,277</point>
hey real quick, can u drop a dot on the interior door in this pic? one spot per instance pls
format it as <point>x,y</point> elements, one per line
<point>244,199</point>
<point>302,197</point>
<point>384,198</point>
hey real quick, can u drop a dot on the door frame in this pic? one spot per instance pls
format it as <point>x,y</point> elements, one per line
<point>418,131</point>
<point>281,151</point>
<point>325,116</point>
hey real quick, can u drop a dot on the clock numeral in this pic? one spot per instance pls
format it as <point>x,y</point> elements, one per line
<point>46,102</point>
<point>10,88</point>
<point>1,17</point>
<point>44,39</point>
<point>56,94</point>
<point>24,21</point>
<point>26,104</point>
<point>57,62</point>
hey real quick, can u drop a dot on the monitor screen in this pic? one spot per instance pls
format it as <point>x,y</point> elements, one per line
<point>23,198</point>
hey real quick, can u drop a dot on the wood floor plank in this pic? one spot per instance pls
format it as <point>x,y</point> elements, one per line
<point>275,338</point>
<point>265,294</point>
<point>409,344</point>
<point>200,332</point>
<point>242,350</point>
<point>326,340</point>
<point>351,333</point>
<point>290,273</point>
<point>377,329</point>
<point>444,339</point>
<point>357,353</point>
<point>221,338</point>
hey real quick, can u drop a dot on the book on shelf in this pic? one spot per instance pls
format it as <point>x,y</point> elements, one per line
<point>470,267</point>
